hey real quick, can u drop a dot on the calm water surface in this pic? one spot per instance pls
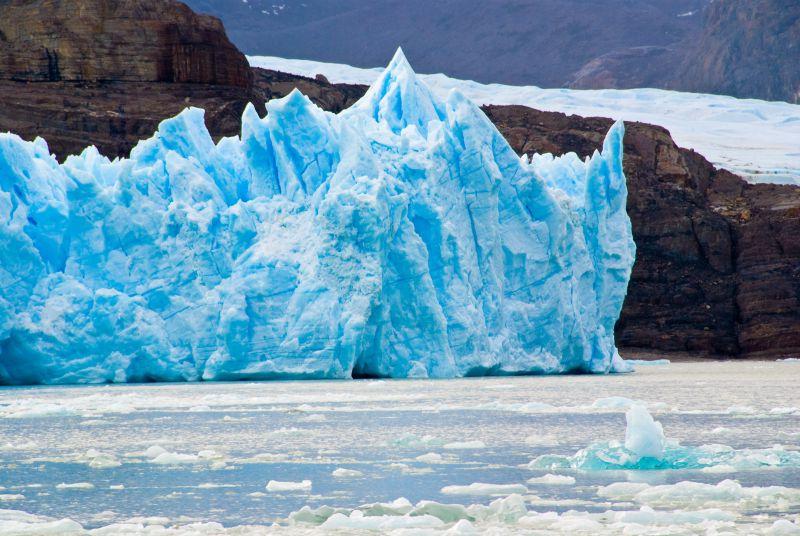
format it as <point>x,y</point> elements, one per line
<point>199,456</point>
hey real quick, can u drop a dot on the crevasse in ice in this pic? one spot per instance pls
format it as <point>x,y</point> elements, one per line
<point>400,238</point>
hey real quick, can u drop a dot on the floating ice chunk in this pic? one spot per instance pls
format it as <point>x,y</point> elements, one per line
<point>647,517</point>
<point>465,445</point>
<point>409,470</point>
<point>155,451</point>
<point>784,527</point>
<point>462,527</point>
<point>416,442</point>
<point>358,521</point>
<point>266,457</point>
<point>80,486</point>
<point>278,486</point>
<point>431,457</point>
<point>174,458</point>
<point>8,497</point>
<point>625,491</point>
<point>22,445</point>
<point>648,362</point>
<point>719,430</point>
<point>228,418</point>
<point>100,460</point>
<point>15,522</point>
<point>553,480</point>
<point>646,448</point>
<point>160,456</point>
<point>503,510</point>
<point>719,469</point>
<point>314,417</point>
<point>643,435</point>
<point>728,493</point>
<point>341,472</point>
<point>479,488</point>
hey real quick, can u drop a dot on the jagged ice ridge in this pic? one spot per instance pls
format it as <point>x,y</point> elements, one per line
<point>400,238</point>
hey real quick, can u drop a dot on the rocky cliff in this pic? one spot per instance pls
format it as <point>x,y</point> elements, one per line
<point>718,261</point>
<point>105,72</point>
<point>117,40</point>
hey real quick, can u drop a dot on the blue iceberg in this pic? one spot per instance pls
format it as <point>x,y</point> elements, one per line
<point>402,237</point>
<point>647,449</point>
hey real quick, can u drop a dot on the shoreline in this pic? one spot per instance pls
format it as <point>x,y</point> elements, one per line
<point>646,354</point>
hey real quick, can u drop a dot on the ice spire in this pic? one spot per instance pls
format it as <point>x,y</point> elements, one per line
<point>313,246</point>
<point>399,99</point>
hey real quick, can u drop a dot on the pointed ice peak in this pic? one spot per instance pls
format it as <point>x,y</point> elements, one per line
<point>399,63</point>
<point>400,99</point>
<point>185,134</point>
<point>294,102</point>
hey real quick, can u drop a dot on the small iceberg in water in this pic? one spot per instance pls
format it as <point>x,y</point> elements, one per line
<point>647,448</point>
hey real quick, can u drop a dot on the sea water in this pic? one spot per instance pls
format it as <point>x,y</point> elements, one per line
<point>198,458</point>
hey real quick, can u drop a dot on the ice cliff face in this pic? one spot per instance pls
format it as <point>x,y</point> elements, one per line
<point>400,238</point>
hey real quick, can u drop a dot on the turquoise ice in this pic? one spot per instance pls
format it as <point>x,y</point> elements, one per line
<point>646,448</point>
<point>402,237</point>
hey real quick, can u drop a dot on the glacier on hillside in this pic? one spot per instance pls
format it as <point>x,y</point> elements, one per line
<point>400,238</point>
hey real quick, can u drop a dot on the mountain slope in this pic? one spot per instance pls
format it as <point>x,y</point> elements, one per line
<point>747,49</point>
<point>541,42</point>
<point>744,48</point>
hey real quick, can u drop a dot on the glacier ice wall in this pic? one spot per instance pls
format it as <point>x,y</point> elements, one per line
<point>400,238</point>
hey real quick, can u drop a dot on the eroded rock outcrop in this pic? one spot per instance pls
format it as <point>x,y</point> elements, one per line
<point>118,40</point>
<point>718,260</point>
<point>105,72</point>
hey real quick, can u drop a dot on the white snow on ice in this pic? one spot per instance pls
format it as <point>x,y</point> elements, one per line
<point>759,140</point>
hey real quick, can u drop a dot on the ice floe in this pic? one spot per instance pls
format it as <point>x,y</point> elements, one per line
<point>725,494</point>
<point>646,448</point>
<point>341,472</point>
<point>553,480</point>
<point>80,486</point>
<point>280,486</point>
<point>480,488</point>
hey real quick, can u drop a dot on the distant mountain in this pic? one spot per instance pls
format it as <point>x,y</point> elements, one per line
<point>745,48</point>
<point>542,42</point>
<point>748,48</point>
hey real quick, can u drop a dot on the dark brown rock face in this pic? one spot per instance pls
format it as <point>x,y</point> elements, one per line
<point>118,40</point>
<point>105,72</point>
<point>331,97</point>
<point>718,260</point>
<point>717,268</point>
<point>112,115</point>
